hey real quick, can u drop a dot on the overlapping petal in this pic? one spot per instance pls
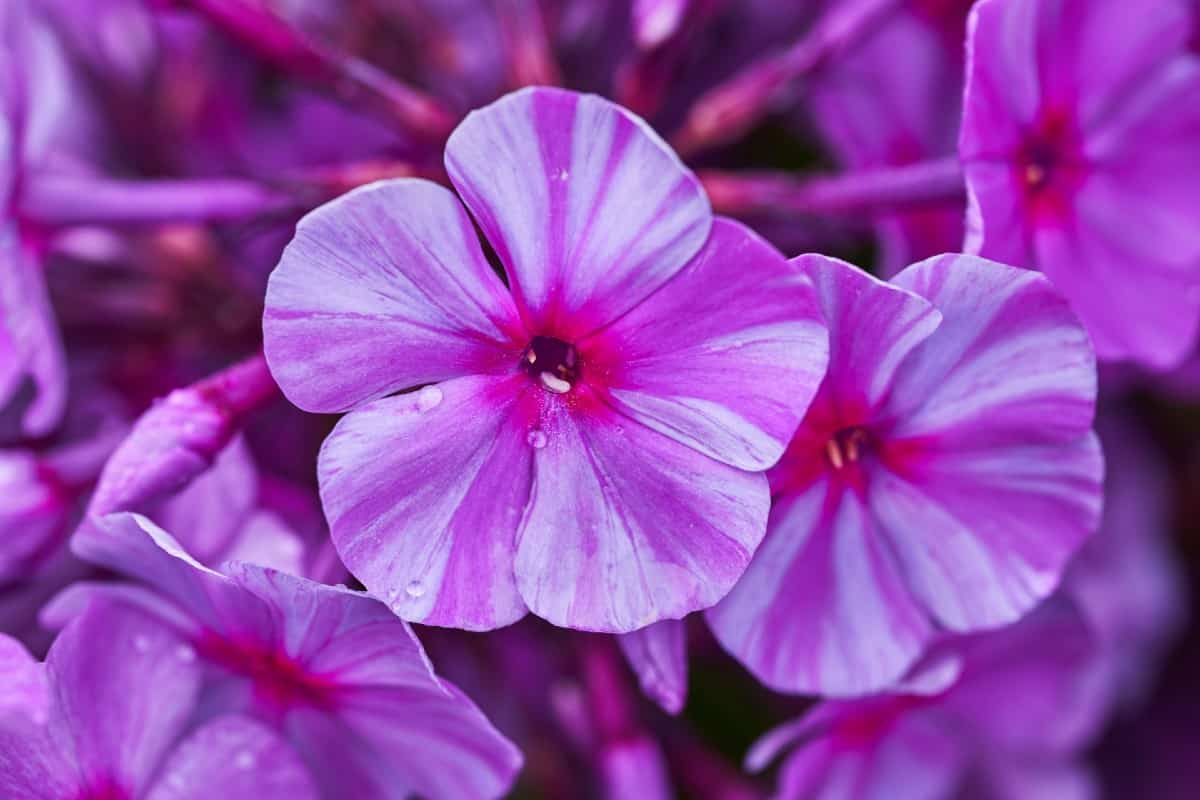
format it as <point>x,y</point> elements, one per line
<point>424,493</point>
<point>726,357</point>
<point>823,607</point>
<point>381,290</point>
<point>658,655</point>
<point>626,527</point>
<point>589,211</point>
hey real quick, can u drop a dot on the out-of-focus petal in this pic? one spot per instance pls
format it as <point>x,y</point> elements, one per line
<point>29,344</point>
<point>658,656</point>
<point>424,493</point>
<point>726,357</point>
<point>822,608</point>
<point>23,686</point>
<point>384,289</point>
<point>589,211</point>
<point>237,758</point>
<point>626,527</point>
<point>124,685</point>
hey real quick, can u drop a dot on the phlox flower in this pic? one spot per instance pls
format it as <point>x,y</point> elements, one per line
<point>942,479</point>
<point>995,716</point>
<point>1079,148</point>
<point>332,672</point>
<point>587,441</point>
<point>108,717</point>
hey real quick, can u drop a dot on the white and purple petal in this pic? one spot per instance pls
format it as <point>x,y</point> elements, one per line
<point>384,289</point>
<point>588,209</point>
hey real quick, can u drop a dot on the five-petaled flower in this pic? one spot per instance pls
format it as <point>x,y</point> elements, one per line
<point>587,442</point>
<point>943,477</point>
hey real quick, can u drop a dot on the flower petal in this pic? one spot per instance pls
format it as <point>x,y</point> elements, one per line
<point>658,656</point>
<point>394,729</point>
<point>1010,364</point>
<point>822,608</point>
<point>726,357</point>
<point>383,289</point>
<point>424,492</point>
<point>589,211</point>
<point>236,758</point>
<point>862,367</point>
<point>985,534</point>
<point>29,342</point>
<point>125,690</point>
<point>626,527</point>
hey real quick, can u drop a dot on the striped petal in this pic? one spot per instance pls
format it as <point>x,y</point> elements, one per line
<point>822,608</point>
<point>383,289</point>
<point>589,211</point>
<point>424,493</point>
<point>726,358</point>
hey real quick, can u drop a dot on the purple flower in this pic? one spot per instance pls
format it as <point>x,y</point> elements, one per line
<point>658,655</point>
<point>333,672</point>
<point>588,442</point>
<point>109,718</point>
<point>943,477</point>
<point>996,716</point>
<point>1078,143</point>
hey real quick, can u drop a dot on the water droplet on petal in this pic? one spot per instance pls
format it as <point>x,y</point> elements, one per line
<point>244,760</point>
<point>562,174</point>
<point>429,398</point>
<point>185,653</point>
<point>141,643</point>
<point>414,589</point>
<point>536,439</point>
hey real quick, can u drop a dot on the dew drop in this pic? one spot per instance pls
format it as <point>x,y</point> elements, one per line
<point>429,398</point>
<point>536,439</point>
<point>562,174</point>
<point>141,643</point>
<point>185,653</point>
<point>244,760</point>
<point>414,589</point>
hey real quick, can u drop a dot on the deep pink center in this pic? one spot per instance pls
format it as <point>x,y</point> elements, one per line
<point>279,680</point>
<point>1050,164</point>
<point>552,363</point>
<point>103,789</point>
<point>847,445</point>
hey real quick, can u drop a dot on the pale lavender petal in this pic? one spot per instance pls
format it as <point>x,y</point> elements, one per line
<point>124,685</point>
<point>626,527</point>
<point>395,730</point>
<point>383,289</point>
<point>29,342</point>
<point>424,493</point>
<point>1038,688</point>
<point>822,608</point>
<point>655,21</point>
<point>34,765</point>
<point>1010,363</point>
<point>267,540</point>
<point>208,515</point>
<point>23,685</point>
<point>658,656</point>
<point>35,513</point>
<point>636,767</point>
<point>236,758</point>
<point>726,357</point>
<point>589,211</point>
<point>984,534</point>
<point>1002,91</point>
<point>862,368</point>
<point>134,546</point>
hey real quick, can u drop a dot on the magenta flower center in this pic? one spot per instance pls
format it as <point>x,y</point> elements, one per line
<point>1049,162</point>
<point>279,681</point>
<point>104,789</point>
<point>553,363</point>
<point>848,445</point>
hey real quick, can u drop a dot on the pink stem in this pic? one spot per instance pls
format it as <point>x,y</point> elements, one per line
<point>929,183</point>
<point>351,79</point>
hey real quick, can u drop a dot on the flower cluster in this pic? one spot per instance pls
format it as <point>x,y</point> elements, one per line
<point>404,399</point>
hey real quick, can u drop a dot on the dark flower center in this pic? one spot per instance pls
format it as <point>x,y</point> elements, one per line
<point>551,362</point>
<point>848,445</point>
